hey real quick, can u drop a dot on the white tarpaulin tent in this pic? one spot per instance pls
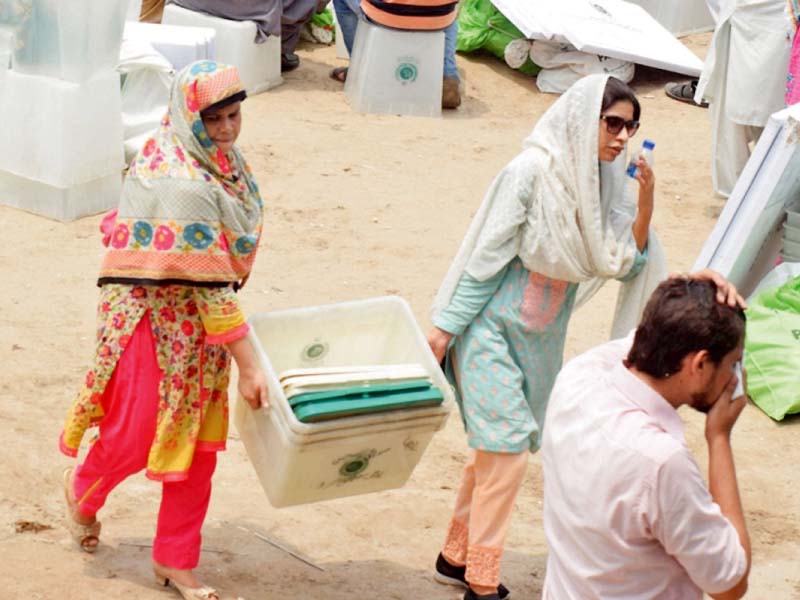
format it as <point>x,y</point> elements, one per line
<point>605,27</point>
<point>680,17</point>
<point>746,241</point>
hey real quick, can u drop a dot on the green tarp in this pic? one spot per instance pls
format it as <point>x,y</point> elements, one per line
<point>772,350</point>
<point>482,27</point>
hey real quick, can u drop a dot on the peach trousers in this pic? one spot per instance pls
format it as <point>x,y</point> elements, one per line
<point>482,515</point>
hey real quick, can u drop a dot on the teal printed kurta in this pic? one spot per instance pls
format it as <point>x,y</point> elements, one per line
<point>508,345</point>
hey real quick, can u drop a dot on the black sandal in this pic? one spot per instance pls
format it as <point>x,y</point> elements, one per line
<point>683,92</point>
<point>339,74</point>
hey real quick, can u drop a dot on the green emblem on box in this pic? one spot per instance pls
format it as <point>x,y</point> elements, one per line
<point>315,351</point>
<point>406,72</point>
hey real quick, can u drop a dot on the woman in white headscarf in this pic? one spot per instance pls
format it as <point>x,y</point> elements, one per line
<point>559,215</point>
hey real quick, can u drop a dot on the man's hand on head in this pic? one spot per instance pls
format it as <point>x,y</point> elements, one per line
<point>726,291</point>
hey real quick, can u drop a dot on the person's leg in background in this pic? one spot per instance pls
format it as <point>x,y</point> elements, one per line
<point>296,13</point>
<point>451,95</point>
<point>684,91</point>
<point>348,14</point>
<point>730,149</point>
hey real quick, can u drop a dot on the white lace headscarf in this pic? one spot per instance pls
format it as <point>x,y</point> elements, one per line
<point>567,215</point>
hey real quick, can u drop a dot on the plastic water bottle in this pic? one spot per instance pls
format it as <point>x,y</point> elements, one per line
<point>647,154</point>
<point>739,391</point>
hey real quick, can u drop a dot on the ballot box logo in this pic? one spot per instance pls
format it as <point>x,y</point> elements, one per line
<point>315,351</point>
<point>406,72</point>
<point>355,467</point>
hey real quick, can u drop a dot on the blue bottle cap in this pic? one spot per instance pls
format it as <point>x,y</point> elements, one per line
<point>649,144</point>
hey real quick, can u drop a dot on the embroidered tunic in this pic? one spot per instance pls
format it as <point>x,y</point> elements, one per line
<point>190,326</point>
<point>508,345</point>
<point>185,234</point>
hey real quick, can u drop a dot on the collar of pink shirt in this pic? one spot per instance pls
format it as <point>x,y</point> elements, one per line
<point>649,400</point>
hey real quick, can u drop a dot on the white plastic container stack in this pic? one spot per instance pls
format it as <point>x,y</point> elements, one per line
<point>396,72</point>
<point>299,462</point>
<point>6,46</point>
<point>180,45</point>
<point>72,40</point>
<point>259,64</point>
<point>60,203</point>
<point>146,83</point>
<point>61,154</point>
<point>58,133</point>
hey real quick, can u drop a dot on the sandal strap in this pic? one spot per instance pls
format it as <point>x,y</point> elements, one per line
<point>83,534</point>
<point>92,530</point>
<point>204,593</point>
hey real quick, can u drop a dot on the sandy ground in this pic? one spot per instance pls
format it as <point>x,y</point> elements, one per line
<point>357,206</point>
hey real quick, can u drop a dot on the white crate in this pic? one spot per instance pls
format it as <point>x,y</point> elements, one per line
<point>259,64</point>
<point>396,72</point>
<point>72,40</point>
<point>306,462</point>
<point>62,134</point>
<point>62,204</point>
<point>6,48</point>
<point>179,44</point>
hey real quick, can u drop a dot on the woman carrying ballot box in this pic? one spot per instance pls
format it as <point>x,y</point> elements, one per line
<point>557,216</point>
<point>183,240</point>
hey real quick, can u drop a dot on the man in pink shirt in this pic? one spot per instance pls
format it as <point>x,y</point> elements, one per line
<point>627,513</point>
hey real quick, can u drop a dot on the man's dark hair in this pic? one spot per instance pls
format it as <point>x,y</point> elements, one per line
<point>681,317</point>
<point>618,91</point>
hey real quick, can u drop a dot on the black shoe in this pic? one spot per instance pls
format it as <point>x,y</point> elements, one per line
<point>453,575</point>
<point>683,92</point>
<point>289,62</point>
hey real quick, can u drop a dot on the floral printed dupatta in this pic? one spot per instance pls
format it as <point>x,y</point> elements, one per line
<point>189,213</point>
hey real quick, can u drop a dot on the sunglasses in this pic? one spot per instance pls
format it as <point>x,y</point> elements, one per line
<point>615,124</point>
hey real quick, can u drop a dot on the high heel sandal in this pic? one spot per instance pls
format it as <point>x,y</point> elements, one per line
<point>82,534</point>
<point>187,593</point>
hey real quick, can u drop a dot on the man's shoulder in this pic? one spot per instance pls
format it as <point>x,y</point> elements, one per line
<point>660,447</point>
<point>588,381</point>
<point>602,358</point>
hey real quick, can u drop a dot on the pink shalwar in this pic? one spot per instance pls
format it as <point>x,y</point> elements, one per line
<point>130,404</point>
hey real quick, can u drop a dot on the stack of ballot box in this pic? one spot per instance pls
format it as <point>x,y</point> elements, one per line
<point>61,152</point>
